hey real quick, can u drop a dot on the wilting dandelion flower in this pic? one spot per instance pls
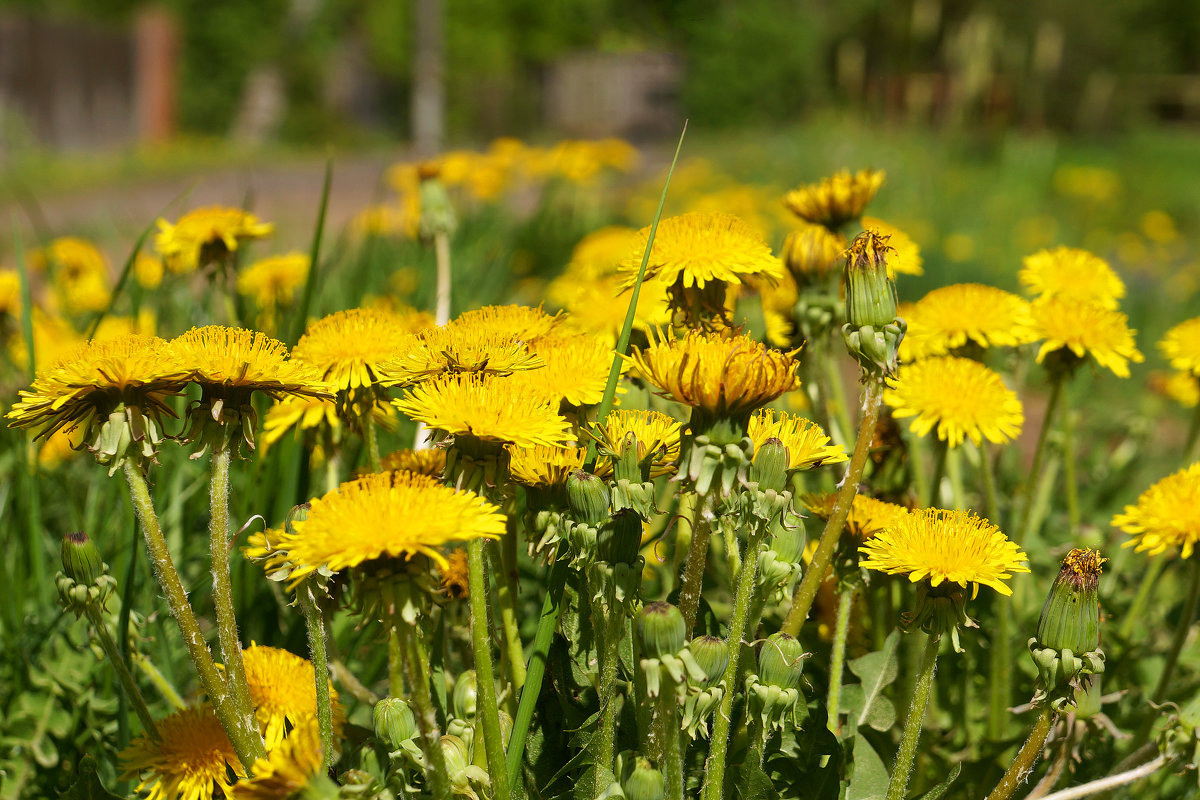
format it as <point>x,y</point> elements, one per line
<point>962,397</point>
<point>282,688</point>
<point>813,252</point>
<point>206,235</point>
<point>387,515</point>
<point>431,461</point>
<point>906,258</point>
<point>192,761</point>
<point>963,314</point>
<point>1181,346</point>
<point>1167,515</point>
<point>288,769</point>
<point>1072,273</point>
<point>868,515</point>
<point>1085,329</point>
<point>806,444</point>
<point>835,201</point>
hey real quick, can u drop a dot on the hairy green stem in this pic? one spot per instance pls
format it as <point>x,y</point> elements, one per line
<point>315,623</point>
<point>806,592</point>
<point>907,754</point>
<point>941,449</point>
<point>395,665</point>
<point>672,744</point>
<point>1018,772</point>
<point>123,676</point>
<point>697,560</point>
<point>1182,629</point>
<point>481,644</point>
<point>412,662</point>
<point>247,743</point>
<point>714,782</point>
<point>506,591</point>
<point>610,627</point>
<point>837,657</point>
<point>159,681</point>
<point>1021,532</point>
<point>369,433</point>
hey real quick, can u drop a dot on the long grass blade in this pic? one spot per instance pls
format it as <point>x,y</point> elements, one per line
<point>314,256</point>
<point>121,281</point>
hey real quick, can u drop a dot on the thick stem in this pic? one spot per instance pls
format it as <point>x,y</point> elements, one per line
<point>672,745</point>
<point>1057,767</point>
<point>1133,618</point>
<point>1000,666</point>
<point>610,626</point>
<point>1039,454</point>
<point>395,665</point>
<point>222,590</point>
<point>941,449</point>
<point>714,782</point>
<point>1026,758</point>
<point>368,426</point>
<point>806,592</point>
<point>506,590</point>
<point>441,248</point>
<point>481,644</point>
<point>247,743</point>
<point>697,560</point>
<point>1181,632</point>
<point>1111,782</point>
<point>412,662</point>
<point>123,676</point>
<point>837,658</point>
<point>315,624</point>
<point>159,681</point>
<point>907,754</point>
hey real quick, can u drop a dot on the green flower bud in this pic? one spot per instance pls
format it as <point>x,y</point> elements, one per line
<point>781,661</point>
<point>769,467</point>
<point>588,497</point>
<point>457,754</point>
<point>437,213</point>
<point>712,654</point>
<point>643,781</point>
<point>297,514</point>
<point>81,560</point>
<point>870,292</point>
<point>465,695</point>
<point>395,722</point>
<point>625,463</point>
<point>662,630</point>
<point>788,538</point>
<point>1071,614</point>
<point>617,542</point>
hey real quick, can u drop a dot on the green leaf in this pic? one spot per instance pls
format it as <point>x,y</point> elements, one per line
<point>87,786</point>
<point>865,702</point>
<point>869,777</point>
<point>753,783</point>
<point>939,790</point>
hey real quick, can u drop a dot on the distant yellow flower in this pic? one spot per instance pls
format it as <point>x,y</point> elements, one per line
<point>57,448</point>
<point>1167,515</point>
<point>494,409</point>
<point>1086,329</point>
<point>1182,387</point>
<point>388,220</point>
<point>953,316</point>
<point>115,327</point>
<point>288,768</point>
<point>962,397</point>
<point>657,436</point>
<point>519,322</point>
<point>544,466</point>
<point>193,760</point>
<point>430,461</point>
<point>1087,182</point>
<point>283,691</point>
<point>938,545</point>
<point>70,255</point>
<point>806,444</point>
<point>10,293</point>
<point>225,359</point>
<point>692,250</point>
<point>835,201</point>
<point>724,376</point>
<point>1181,345</point>
<point>53,340</point>
<point>273,281</point>
<point>601,251</point>
<point>906,260</point>
<point>148,270</point>
<point>206,235</point>
<point>454,580</point>
<point>387,515</point>
<point>1074,274</point>
<point>347,347</point>
<point>457,348</point>
<point>868,516</point>
<point>813,252</point>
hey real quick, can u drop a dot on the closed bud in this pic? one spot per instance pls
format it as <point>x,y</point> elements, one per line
<point>625,464</point>
<point>395,722</point>
<point>297,514</point>
<point>465,696</point>
<point>787,538</point>
<point>870,292</point>
<point>1071,614</point>
<point>81,559</point>
<point>617,542</point>
<point>661,629</point>
<point>437,213</point>
<point>712,654</point>
<point>811,253</point>
<point>769,467</point>
<point>781,661</point>
<point>588,497</point>
<point>457,754</point>
<point>643,781</point>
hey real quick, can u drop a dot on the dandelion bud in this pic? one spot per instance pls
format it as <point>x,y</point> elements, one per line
<point>297,514</point>
<point>712,655</point>
<point>662,630</point>
<point>1071,615</point>
<point>812,253</point>
<point>618,540</point>
<point>465,696</point>
<point>437,213</point>
<point>456,752</point>
<point>588,497</point>
<point>870,293</point>
<point>80,559</point>
<point>626,464</point>
<point>769,467</point>
<point>787,538</point>
<point>643,781</point>
<point>395,722</point>
<point>781,661</point>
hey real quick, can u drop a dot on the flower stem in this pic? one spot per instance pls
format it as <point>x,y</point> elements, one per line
<point>697,560</point>
<point>369,433</point>
<point>1133,617</point>
<point>941,449</point>
<point>672,753</point>
<point>506,591</point>
<point>1028,755</point>
<point>1110,782</point>
<point>247,743</point>
<point>123,675</point>
<point>160,682</point>
<point>1000,667</point>
<point>441,249</point>
<point>1039,455</point>
<point>714,782</point>
<point>481,642</point>
<point>395,665</point>
<point>413,663</point>
<point>315,624</point>
<point>1068,445</point>
<point>806,592</point>
<point>907,753</point>
<point>610,626</point>
<point>222,590</point>
<point>1181,631</point>
<point>837,657</point>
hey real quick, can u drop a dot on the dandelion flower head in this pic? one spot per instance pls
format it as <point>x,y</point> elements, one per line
<point>518,322</point>
<point>1086,329</point>
<point>868,515</point>
<point>698,248</point>
<point>657,436</point>
<point>1072,273</point>
<point>836,200</point>
<point>237,358</point>
<point>347,347</point>
<point>273,281</point>
<point>283,691</point>
<point>192,761</point>
<point>458,348</point>
<point>965,313</point>
<point>543,465</point>
<point>204,235</point>
<point>961,397</point>
<point>1166,516</point>
<point>287,769</point>
<point>1181,346</point>
<point>430,461</point>
<point>806,444</point>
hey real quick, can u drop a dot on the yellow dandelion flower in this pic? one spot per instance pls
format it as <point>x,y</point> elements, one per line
<point>454,579</point>
<point>906,260</point>
<point>519,322</point>
<point>387,515</point>
<point>431,461</point>
<point>53,340</point>
<point>288,768</point>
<point>305,413</point>
<point>273,281</point>
<point>388,220</point>
<point>206,235</point>
<point>148,270</point>
<point>813,252</point>
<point>576,368</point>
<point>458,348</point>
<point>1086,329</point>
<point>283,691</point>
<point>701,247</point>
<point>724,376</point>
<point>806,444</point>
<point>71,255</point>
<point>1072,273</point>
<point>657,436</point>
<point>836,200</point>
<point>192,761</point>
<point>868,515</point>
<point>1181,346</point>
<point>112,327</point>
<point>938,545</point>
<point>221,358</point>
<point>347,347</point>
<point>263,547</point>
<point>962,397</point>
<point>963,313</point>
<point>10,293</point>
<point>1182,387</point>
<point>544,466</point>
<point>1167,515</point>
<point>601,252</point>
<point>494,409</point>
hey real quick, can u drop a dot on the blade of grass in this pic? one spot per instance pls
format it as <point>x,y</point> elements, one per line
<point>33,506</point>
<point>121,281</point>
<point>314,255</point>
<point>551,604</point>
